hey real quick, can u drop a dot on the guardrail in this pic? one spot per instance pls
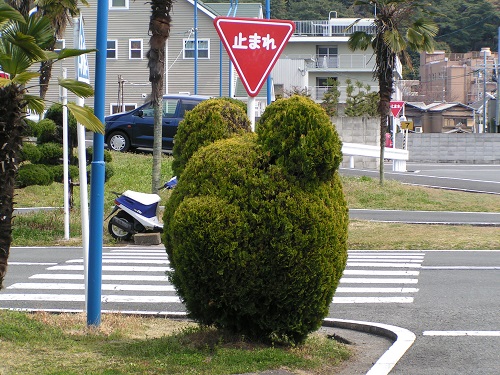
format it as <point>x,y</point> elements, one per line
<point>397,155</point>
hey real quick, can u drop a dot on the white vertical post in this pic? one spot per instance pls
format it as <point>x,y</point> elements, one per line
<point>251,111</point>
<point>64,97</point>
<point>82,166</point>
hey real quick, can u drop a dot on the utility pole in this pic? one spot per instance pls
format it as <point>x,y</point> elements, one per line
<point>486,52</point>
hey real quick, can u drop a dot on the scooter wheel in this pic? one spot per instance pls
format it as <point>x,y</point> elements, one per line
<point>118,233</point>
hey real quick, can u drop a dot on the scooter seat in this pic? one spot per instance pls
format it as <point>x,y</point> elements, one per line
<point>143,198</point>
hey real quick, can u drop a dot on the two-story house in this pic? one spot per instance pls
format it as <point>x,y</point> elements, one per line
<point>316,53</point>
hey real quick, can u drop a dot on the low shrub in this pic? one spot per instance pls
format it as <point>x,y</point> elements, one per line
<point>89,153</point>
<point>30,152</point>
<point>209,121</point>
<point>51,153</point>
<point>55,113</point>
<point>46,131</point>
<point>33,174</point>
<point>58,172</point>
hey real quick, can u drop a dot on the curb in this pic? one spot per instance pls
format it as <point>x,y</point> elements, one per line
<point>402,338</point>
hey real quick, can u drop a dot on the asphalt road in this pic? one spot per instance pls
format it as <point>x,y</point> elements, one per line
<point>465,177</point>
<point>448,299</point>
<point>454,313</point>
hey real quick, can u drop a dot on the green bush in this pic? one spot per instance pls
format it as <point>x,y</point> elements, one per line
<point>108,173</point>
<point>299,136</point>
<point>209,121</point>
<point>55,113</point>
<point>58,172</point>
<point>51,153</point>
<point>46,131</point>
<point>30,152</point>
<point>89,153</point>
<point>33,174</point>
<point>255,249</point>
<point>28,129</point>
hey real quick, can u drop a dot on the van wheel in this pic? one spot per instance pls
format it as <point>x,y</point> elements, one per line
<point>118,141</point>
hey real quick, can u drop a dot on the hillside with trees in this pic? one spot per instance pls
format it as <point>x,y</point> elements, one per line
<point>464,25</point>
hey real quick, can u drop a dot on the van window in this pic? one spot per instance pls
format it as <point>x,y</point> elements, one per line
<point>169,107</point>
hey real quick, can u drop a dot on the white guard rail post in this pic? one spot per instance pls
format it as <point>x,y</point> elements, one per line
<point>397,155</point>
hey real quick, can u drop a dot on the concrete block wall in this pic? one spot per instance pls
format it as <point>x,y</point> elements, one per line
<point>359,130</point>
<point>477,148</point>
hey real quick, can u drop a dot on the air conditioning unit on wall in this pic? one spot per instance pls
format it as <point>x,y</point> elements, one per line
<point>418,129</point>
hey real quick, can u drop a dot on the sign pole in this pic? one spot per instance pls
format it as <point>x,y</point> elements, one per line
<point>251,111</point>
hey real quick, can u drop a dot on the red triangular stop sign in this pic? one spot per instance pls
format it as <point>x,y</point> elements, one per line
<point>254,46</point>
<point>396,107</point>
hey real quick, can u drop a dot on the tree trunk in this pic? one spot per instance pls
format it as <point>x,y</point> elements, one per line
<point>159,28</point>
<point>11,127</point>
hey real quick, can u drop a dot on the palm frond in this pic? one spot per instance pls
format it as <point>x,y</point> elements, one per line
<point>7,14</point>
<point>81,89</point>
<point>360,40</point>
<point>86,117</point>
<point>24,77</point>
<point>69,52</point>
<point>394,40</point>
<point>34,103</point>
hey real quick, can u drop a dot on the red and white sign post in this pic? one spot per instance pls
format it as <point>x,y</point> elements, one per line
<point>254,46</point>
<point>396,107</point>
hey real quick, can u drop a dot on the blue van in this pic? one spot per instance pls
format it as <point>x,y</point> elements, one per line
<point>130,130</point>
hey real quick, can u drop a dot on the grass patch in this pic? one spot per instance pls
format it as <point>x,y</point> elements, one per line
<point>133,171</point>
<point>43,343</point>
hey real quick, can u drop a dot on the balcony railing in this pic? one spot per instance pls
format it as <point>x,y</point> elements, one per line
<point>333,27</point>
<point>343,61</point>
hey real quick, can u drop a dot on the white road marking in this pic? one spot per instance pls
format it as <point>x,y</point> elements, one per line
<point>383,259</point>
<point>462,333</point>
<point>72,276</point>
<point>377,281</point>
<point>340,300</point>
<point>421,257</point>
<point>30,264</point>
<point>70,286</point>
<point>403,265</point>
<point>113,268</point>
<point>375,290</point>
<point>125,261</point>
<point>81,298</point>
<point>381,273</point>
<point>473,268</point>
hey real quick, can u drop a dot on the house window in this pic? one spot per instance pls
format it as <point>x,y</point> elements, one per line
<point>322,86</point>
<point>327,57</point>
<point>60,44</point>
<point>112,49</point>
<point>203,48</point>
<point>117,108</point>
<point>135,49</point>
<point>118,4</point>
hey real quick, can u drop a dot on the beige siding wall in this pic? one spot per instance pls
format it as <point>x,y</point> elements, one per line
<point>181,70</point>
<point>123,25</point>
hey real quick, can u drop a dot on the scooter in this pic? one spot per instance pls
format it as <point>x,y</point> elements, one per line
<point>136,213</point>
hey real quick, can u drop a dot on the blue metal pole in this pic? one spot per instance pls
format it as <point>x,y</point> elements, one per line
<point>196,47</point>
<point>97,172</point>
<point>269,80</point>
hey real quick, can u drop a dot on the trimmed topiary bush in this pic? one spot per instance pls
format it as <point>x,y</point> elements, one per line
<point>51,153</point>
<point>258,245</point>
<point>209,121</point>
<point>30,152</point>
<point>58,172</point>
<point>55,113</point>
<point>46,131</point>
<point>292,131</point>
<point>33,174</point>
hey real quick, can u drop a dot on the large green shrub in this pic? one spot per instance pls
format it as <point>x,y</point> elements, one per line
<point>209,121</point>
<point>51,153</point>
<point>30,152</point>
<point>46,131</point>
<point>33,174</point>
<point>55,113</point>
<point>58,172</point>
<point>254,247</point>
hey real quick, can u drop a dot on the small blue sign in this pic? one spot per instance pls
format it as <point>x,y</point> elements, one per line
<point>82,74</point>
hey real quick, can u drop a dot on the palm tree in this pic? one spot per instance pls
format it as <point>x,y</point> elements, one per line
<point>159,27</point>
<point>60,13</point>
<point>395,31</point>
<point>20,51</point>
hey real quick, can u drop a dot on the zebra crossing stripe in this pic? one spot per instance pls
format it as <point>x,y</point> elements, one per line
<point>341,300</point>
<point>376,290</point>
<point>72,286</point>
<point>377,281</point>
<point>125,261</point>
<point>381,273</point>
<point>81,298</point>
<point>113,268</point>
<point>74,276</point>
<point>362,264</point>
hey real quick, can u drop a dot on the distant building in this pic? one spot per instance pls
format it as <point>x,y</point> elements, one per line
<point>440,117</point>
